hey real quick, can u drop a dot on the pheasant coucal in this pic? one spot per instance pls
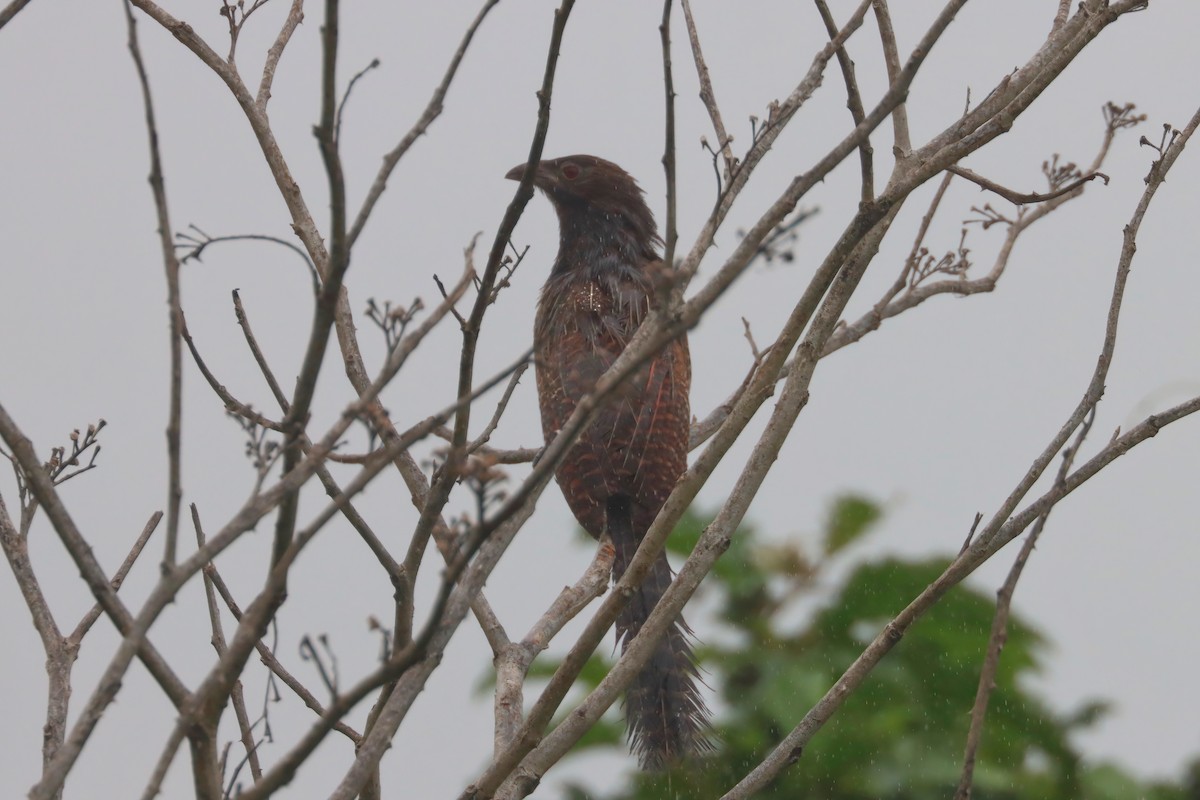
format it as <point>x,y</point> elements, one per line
<point>618,474</point>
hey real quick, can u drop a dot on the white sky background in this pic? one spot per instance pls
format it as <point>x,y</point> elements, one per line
<point>938,414</point>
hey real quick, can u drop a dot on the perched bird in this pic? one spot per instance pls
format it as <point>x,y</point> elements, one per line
<point>621,470</point>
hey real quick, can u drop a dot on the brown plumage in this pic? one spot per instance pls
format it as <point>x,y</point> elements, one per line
<point>624,465</point>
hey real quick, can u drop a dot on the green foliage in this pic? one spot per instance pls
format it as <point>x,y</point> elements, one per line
<point>790,625</point>
<point>850,517</point>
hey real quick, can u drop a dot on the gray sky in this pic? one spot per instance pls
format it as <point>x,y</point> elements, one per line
<point>937,415</point>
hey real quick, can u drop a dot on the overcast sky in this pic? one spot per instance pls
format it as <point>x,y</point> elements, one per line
<point>937,415</point>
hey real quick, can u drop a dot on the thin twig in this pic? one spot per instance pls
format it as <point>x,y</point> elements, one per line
<point>902,144</point>
<point>337,128</point>
<point>133,643</point>
<point>668,160</point>
<point>1018,198</point>
<point>243,321</point>
<point>447,475</point>
<point>474,322</point>
<point>514,660</point>
<point>218,642</point>
<point>501,405</point>
<point>60,656</point>
<point>854,104</point>
<point>118,578</point>
<point>999,633</point>
<point>262,608</point>
<point>1004,524</point>
<point>174,307</point>
<point>449,606</point>
<point>271,661</point>
<point>134,630</point>
<point>231,403</point>
<point>781,113</point>
<point>432,111</point>
<point>302,220</point>
<point>894,303</point>
<point>159,774</point>
<point>292,21</point>
<point>197,243</point>
<point>708,96</point>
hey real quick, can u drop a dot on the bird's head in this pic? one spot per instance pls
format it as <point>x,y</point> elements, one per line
<point>591,191</point>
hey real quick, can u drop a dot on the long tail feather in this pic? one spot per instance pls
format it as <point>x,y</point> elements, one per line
<point>666,717</point>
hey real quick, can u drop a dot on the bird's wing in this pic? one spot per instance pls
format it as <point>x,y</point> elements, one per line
<point>633,445</point>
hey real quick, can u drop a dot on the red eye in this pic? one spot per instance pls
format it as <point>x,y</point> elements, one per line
<point>570,171</point>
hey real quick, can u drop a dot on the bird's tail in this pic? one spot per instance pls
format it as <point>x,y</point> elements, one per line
<point>666,718</point>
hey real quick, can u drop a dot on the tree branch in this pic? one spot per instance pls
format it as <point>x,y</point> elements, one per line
<point>999,632</point>
<point>432,111</point>
<point>175,310</point>
<point>292,21</point>
<point>11,10</point>
<point>1003,526</point>
<point>1017,198</point>
<point>854,104</point>
<point>708,96</point>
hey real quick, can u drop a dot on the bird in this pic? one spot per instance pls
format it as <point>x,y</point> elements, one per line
<point>605,279</point>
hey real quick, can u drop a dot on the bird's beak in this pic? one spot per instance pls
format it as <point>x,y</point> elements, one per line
<point>518,172</point>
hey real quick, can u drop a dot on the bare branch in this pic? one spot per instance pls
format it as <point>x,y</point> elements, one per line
<point>412,665</point>
<point>514,660</point>
<point>471,543</point>
<point>231,403</point>
<point>261,609</point>
<point>294,17</point>
<point>60,652</point>
<point>237,697</point>
<point>1017,198</point>
<point>999,632</point>
<point>486,434</point>
<point>432,111</point>
<point>780,114</point>
<point>11,10</point>
<point>118,578</point>
<point>16,550</point>
<point>736,263</point>
<point>1004,525</point>
<point>134,629</point>
<point>289,189</point>
<point>668,160</point>
<point>854,102</point>
<point>170,748</point>
<point>1060,16</point>
<point>341,107</point>
<point>902,143</point>
<point>271,661</point>
<point>243,321</point>
<point>896,300</point>
<point>709,97</point>
<point>175,310</point>
<point>198,241</point>
<point>439,491</point>
<point>134,642</point>
<point>235,16</point>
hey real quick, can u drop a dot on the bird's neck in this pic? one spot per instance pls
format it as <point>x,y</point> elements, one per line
<point>591,239</point>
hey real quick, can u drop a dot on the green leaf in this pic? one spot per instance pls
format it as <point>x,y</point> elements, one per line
<point>900,735</point>
<point>1087,715</point>
<point>850,517</point>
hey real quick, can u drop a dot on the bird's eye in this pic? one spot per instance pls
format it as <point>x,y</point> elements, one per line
<point>570,171</point>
